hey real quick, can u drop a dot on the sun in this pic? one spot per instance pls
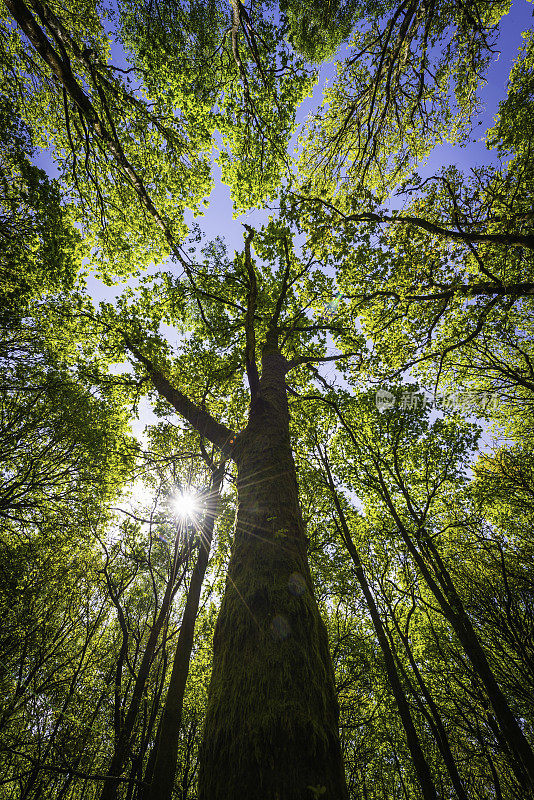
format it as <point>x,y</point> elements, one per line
<point>185,504</point>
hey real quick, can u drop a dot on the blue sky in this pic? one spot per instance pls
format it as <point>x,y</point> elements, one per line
<point>218,221</point>
<point>218,218</point>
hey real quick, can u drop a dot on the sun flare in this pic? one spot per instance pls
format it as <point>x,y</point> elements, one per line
<point>185,505</point>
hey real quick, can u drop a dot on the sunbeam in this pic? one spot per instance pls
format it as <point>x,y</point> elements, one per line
<point>185,505</point>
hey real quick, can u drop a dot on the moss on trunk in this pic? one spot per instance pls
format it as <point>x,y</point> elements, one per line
<point>271,729</point>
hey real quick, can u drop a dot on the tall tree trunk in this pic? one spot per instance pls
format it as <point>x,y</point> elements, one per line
<point>271,730</point>
<point>508,724</point>
<point>122,744</point>
<point>467,635</point>
<point>435,721</point>
<point>454,611</point>
<point>164,770</point>
<point>422,769</point>
<point>440,583</point>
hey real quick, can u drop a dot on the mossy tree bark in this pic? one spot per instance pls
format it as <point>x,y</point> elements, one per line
<point>271,729</point>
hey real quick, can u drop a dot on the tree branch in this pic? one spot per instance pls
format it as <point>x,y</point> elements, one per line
<point>523,289</point>
<point>200,419</point>
<point>61,68</point>
<point>250,347</point>
<point>512,239</point>
<point>273,324</point>
<point>295,362</point>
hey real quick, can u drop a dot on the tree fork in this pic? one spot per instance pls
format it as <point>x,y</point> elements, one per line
<point>271,729</point>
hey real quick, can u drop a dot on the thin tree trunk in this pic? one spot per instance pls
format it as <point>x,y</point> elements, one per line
<point>494,775</point>
<point>424,775</point>
<point>444,590</point>
<point>122,745</point>
<point>511,730</point>
<point>399,770</point>
<point>440,734</point>
<point>164,770</point>
<point>271,727</point>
